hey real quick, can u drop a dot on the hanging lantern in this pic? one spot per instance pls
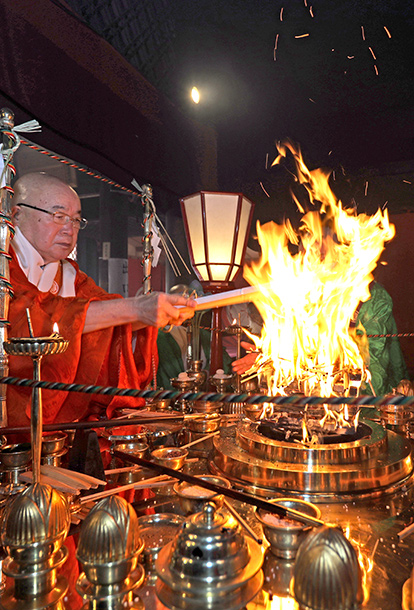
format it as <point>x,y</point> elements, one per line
<point>217,227</point>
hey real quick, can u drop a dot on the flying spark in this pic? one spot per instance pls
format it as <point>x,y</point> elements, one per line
<point>281,14</point>
<point>275,48</point>
<point>376,69</point>
<point>362,32</point>
<point>301,35</point>
<point>372,53</point>
<point>311,11</point>
<point>366,188</point>
<point>407,182</point>
<point>264,190</point>
<point>351,56</point>
<point>387,32</point>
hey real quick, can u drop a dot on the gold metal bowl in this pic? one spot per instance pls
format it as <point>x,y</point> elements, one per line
<point>52,442</point>
<point>192,497</point>
<point>282,533</point>
<point>206,406</point>
<point>14,456</point>
<point>172,457</point>
<point>162,404</point>
<point>138,449</point>
<point>253,412</point>
<point>207,422</point>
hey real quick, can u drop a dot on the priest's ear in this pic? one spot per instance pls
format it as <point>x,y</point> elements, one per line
<point>15,213</point>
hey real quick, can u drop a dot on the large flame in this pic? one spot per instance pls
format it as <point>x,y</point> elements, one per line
<point>312,280</point>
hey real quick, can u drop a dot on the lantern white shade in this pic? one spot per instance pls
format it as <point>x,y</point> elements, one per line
<point>217,227</point>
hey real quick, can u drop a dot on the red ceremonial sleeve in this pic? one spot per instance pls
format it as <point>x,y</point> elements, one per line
<point>102,357</point>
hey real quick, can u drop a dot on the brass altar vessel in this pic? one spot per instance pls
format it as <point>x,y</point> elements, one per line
<point>108,550</point>
<point>210,564</point>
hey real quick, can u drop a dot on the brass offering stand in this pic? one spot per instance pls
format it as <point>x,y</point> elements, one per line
<point>36,348</point>
<point>185,385</point>
<point>36,523</point>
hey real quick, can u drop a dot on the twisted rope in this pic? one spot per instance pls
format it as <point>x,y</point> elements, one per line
<point>254,399</point>
<point>81,168</point>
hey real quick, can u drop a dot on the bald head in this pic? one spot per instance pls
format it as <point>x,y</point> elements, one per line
<point>53,241</point>
<point>36,185</point>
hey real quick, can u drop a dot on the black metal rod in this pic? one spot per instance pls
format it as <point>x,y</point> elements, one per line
<point>269,507</point>
<point>86,425</point>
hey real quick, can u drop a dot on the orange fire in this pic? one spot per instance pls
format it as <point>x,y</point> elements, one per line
<point>312,280</point>
<point>365,560</point>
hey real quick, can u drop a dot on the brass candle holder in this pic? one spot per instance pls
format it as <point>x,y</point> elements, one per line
<point>36,523</point>
<point>36,348</point>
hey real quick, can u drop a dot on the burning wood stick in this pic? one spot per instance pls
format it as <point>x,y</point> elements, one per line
<point>147,484</point>
<point>242,522</point>
<point>231,297</point>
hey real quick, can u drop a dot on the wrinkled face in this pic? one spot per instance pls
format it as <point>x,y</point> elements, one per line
<point>53,241</point>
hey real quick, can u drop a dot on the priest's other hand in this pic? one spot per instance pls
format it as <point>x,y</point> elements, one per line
<point>244,364</point>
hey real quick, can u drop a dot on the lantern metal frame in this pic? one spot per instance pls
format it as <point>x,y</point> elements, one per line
<point>212,284</point>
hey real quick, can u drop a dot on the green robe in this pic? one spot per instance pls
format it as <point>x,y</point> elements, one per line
<point>171,361</point>
<point>385,360</point>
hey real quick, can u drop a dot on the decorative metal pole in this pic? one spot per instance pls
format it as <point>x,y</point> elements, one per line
<point>147,253</point>
<point>10,142</point>
<point>146,199</point>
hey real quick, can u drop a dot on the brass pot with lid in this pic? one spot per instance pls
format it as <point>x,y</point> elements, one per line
<point>210,564</point>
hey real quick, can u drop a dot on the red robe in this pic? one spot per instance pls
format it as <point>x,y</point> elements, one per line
<point>103,357</point>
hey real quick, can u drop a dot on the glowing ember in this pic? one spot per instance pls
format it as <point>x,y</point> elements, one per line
<point>283,603</point>
<point>312,280</point>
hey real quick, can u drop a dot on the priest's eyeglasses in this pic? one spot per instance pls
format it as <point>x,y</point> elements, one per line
<point>58,217</point>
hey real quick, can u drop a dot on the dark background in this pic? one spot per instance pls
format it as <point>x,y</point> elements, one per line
<point>109,82</point>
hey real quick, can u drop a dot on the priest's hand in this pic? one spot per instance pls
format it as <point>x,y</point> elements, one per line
<point>244,364</point>
<point>160,309</point>
<point>154,309</point>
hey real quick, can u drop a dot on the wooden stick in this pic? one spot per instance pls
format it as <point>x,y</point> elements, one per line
<point>200,440</point>
<point>121,470</point>
<point>231,297</point>
<point>270,507</point>
<point>85,479</point>
<point>242,522</point>
<point>27,477</point>
<point>153,482</point>
<point>55,473</point>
